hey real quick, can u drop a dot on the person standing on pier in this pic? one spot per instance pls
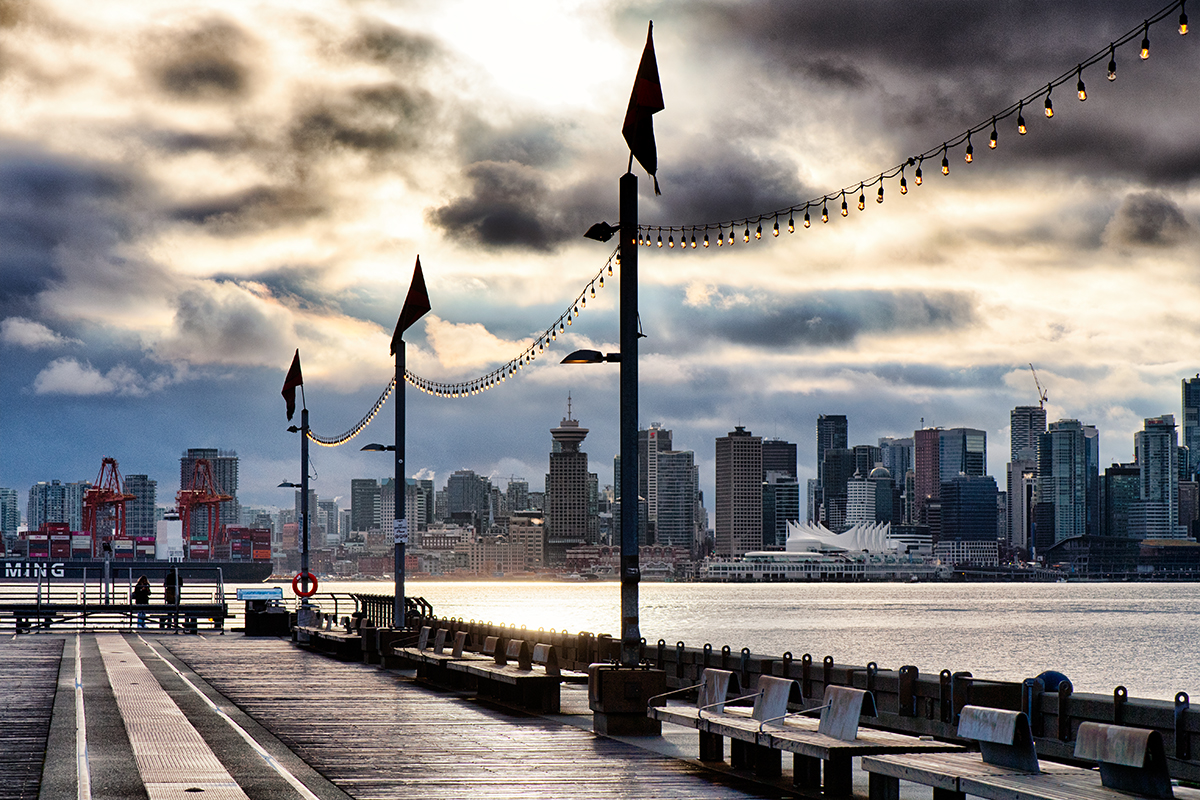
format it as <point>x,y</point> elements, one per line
<point>141,597</point>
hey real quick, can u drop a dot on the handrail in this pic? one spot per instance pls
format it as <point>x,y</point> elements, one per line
<point>734,700</point>
<point>792,714</point>
<point>650,702</point>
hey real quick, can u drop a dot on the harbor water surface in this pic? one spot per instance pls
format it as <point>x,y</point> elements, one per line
<point>1144,636</point>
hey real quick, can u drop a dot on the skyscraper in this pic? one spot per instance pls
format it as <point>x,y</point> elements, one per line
<point>1191,422</point>
<point>781,505</point>
<point>10,513</point>
<point>1122,490</point>
<point>140,517</point>
<point>779,456</point>
<point>569,494</point>
<point>969,508</point>
<point>364,505</point>
<point>1156,513</point>
<point>651,442</point>
<point>739,526</point>
<point>56,502</point>
<point>1026,424</point>
<point>832,432</point>
<point>467,493</point>
<point>927,472</point>
<point>1067,461</point>
<point>516,495</point>
<point>961,451</point>
<point>678,485</point>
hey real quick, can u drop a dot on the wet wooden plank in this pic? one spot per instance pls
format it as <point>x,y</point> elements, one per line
<point>375,736</point>
<point>28,682</point>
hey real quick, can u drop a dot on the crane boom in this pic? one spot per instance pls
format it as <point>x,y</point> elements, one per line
<point>1041,391</point>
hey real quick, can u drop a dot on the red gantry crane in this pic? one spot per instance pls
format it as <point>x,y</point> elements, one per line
<point>205,494</point>
<point>104,506</point>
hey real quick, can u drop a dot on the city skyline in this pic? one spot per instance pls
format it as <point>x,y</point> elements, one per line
<point>191,194</point>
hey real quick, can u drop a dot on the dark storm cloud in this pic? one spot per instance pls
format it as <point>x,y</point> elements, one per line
<point>386,44</point>
<point>533,143</point>
<point>300,286</point>
<point>252,209</point>
<point>714,182</point>
<point>233,327</point>
<point>933,376</point>
<point>509,205</point>
<point>374,119</point>
<point>209,61</point>
<point>190,141</point>
<point>831,319</point>
<point>1149,220</point>
<point>53,206</point>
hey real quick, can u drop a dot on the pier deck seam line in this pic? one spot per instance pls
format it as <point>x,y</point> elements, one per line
<point>83,771</point>
<point>271,761</point>
<point>152,720</point>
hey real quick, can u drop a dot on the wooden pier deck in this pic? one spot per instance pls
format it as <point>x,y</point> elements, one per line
<point>163,715</point>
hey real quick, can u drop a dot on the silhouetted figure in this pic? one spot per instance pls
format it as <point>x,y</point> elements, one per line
<point>141,597</point>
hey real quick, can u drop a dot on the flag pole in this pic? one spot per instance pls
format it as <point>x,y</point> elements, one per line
<point>399,523</point>
<point>631,636</point>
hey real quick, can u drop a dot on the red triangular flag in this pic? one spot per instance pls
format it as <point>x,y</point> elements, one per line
<point>293,379</point>
<point>416,305</point>
<point>645,101</point>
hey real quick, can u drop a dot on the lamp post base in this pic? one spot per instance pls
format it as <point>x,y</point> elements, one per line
<point>618,698</point>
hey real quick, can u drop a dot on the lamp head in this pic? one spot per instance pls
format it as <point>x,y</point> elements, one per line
<point>590,357</point>
<point>602,231</point>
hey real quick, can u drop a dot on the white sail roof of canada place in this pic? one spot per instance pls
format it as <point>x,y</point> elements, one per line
<point>873,538</point>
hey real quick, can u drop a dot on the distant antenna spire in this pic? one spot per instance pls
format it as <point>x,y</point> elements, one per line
<point>569,406</point>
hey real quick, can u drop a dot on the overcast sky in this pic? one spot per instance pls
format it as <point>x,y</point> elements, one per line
<point>189,192</point>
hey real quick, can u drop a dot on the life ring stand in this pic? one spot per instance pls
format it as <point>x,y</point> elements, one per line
<point>296,584</point>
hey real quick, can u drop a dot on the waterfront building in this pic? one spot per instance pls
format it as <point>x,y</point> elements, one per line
<point>779,456</point>
<point>387,504</point>
<point>1022,488</point>
<point>860,501</point>
<point>55,501</point>
<point>1155,514</point>
<point>1191,422</point>
<point>1068,482</point>
<point>364,505</point>
<point>141,512</point>
<point>418,503</point>
<point>570,493</point>
<point>329,520</point>
<point>926,472</point>
<point>781,505</point>
<point>961,451</point>
<point>1120,488</point>
<point>832,433</point>
<point>527,530</point>
<point>651,442</point>
<point>969,509</point>
<point>838,470</point>
<point>678,488</point>
<point>1026,424</point>
<point>739,527</point>
<point>224,464</point>
<point>10,515</point>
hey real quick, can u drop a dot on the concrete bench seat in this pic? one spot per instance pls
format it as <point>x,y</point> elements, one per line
<point>1132,763</point>
<point>758,736</point>
<point>344,645</point>
<point>431,659</point>
<point>510,678</point>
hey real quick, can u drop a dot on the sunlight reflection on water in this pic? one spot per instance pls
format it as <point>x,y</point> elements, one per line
<point>1141,635</point>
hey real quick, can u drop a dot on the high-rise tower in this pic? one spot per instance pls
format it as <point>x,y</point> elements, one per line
<point>1191,422</point>
<point>832,433</point>
<point>569,522</point>
<point>739,508</point>
<point>1156,513</point>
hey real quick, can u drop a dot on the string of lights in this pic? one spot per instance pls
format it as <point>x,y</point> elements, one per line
<point>649,235</point>
<point>492,379</point>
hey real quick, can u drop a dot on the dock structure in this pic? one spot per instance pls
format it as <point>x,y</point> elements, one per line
<point>140,714</point>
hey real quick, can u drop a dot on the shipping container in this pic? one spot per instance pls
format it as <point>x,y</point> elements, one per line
<point>262,555</point>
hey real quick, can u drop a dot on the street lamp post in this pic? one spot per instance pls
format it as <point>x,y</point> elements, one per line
<point>398,601</point>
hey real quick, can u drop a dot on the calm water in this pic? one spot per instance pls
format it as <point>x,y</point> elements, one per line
<point>1143,636</point>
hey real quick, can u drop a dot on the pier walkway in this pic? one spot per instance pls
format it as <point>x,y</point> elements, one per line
<point>148,715</point>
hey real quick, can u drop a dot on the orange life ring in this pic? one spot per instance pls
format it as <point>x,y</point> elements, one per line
<point>296,584</point>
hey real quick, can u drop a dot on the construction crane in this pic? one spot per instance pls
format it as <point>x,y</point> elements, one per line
<point>1041,391</point>
<point>104,506</point>
<point>202,493</point>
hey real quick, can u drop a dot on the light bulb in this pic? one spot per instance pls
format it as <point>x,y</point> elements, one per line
<point>561,327</point>
<point>792,222</point>
<point>862,198</point>
<point>945,162</point>
<point>775,228</point>
<point>706,238</point>
<point>1145,53</point>
<point>758,231</point>
<point>879,197</point>
<point>992,137</point>
<point>582,302</point>
<point>903,184</point>
<point>721,238</point>
<point>601,281</point>
<point>671,241</point>
<point>554,333</point>
<point>746,235</point>
<point>576,311</point>
<point>647,240</point>
<point>694,241</point>
<point>1112,62</point>
<point>731,235</point>
<point>593,288</point>
<point>568,319</point>
<point>824,212</point>
<point>1183,26</point>
<point>639,238</point>
<point>660,240</point>
<point>1079,90</point>
<point>969,156</point>
<point>807,221</point>
<point>1049,105</point>
<point>917,179</point>
<point>1021,129</point>
<point>845,209</point>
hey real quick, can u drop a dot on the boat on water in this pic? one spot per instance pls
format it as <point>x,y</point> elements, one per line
<point>22,570</point>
